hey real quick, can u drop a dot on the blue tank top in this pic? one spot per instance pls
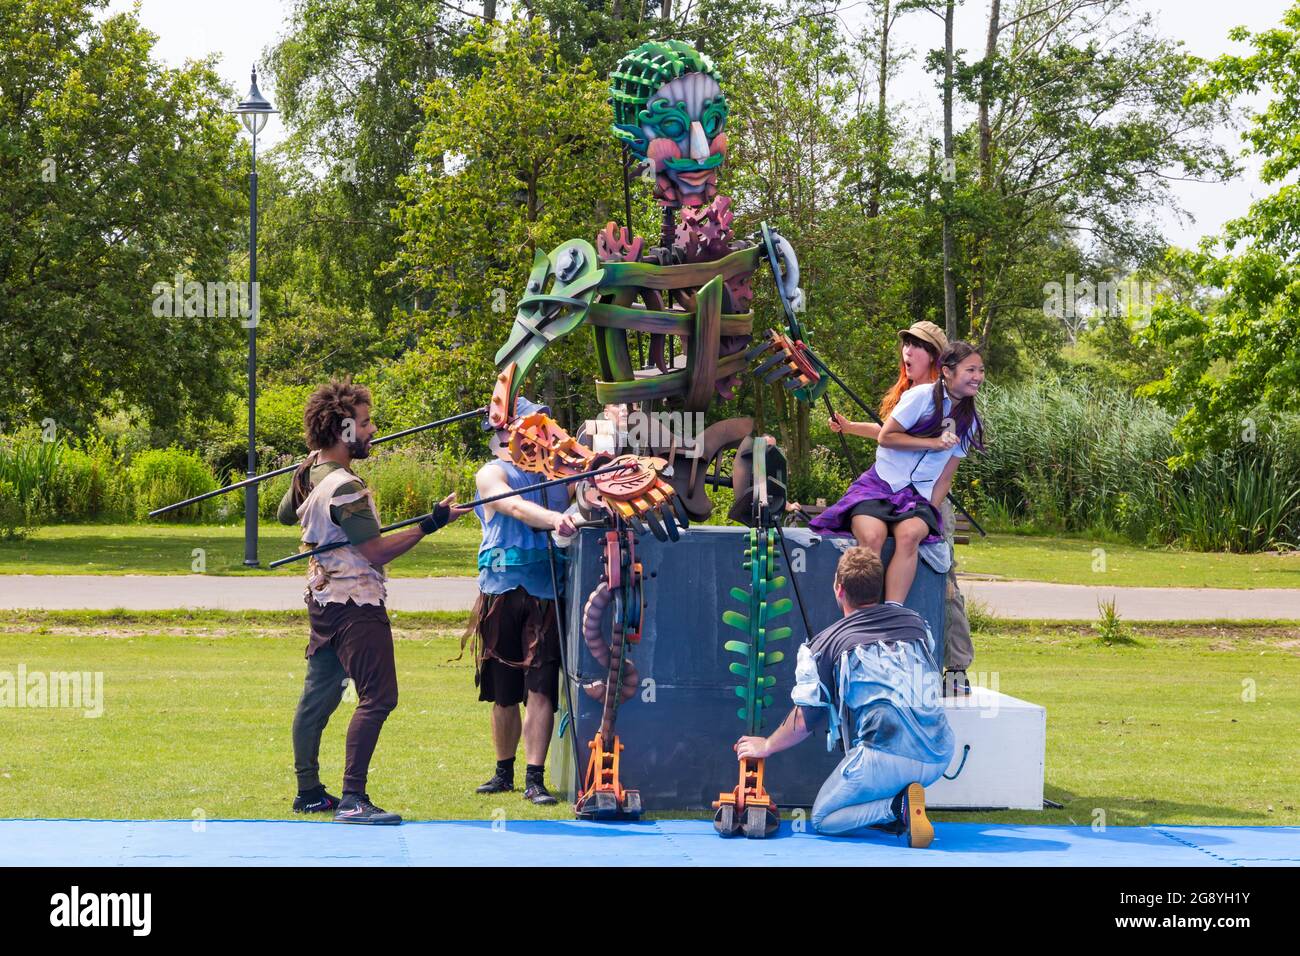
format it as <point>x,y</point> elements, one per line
<point>512,554</point>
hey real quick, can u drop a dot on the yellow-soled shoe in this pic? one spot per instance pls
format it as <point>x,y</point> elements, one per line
<point>920,831</point>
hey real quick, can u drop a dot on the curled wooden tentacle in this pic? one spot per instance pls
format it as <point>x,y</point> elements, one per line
<point>657,354</point>
<point>688,478</point>
<point>657,357</point>
<point>593,614</point>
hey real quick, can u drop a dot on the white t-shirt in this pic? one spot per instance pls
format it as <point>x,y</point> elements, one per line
<point>900,468</point>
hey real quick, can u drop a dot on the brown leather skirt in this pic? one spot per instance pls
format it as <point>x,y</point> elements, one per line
<point>516,647</point>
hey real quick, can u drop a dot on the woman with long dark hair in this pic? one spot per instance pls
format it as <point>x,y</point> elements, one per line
<point>924,438</point>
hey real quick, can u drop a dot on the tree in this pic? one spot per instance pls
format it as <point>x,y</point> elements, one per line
<point>945,63</point>
<point>515,158</point>
<point>950,167</point>
<point>1236,342</point>
<point>318,313</point>
<point>887,17</point>
<point>348,77</point>
<point>985,68</point>
<point>788,88</point>
<point>603,31</point>
<point>116,173</point>
<point>1082,126</point>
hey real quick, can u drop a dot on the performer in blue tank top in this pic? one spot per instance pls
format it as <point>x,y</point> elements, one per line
<point>517,637</point>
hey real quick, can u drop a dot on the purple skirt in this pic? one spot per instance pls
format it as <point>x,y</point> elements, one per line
<point>871,487</point>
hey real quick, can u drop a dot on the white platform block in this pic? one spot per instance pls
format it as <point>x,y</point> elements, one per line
<point>1004,766</point>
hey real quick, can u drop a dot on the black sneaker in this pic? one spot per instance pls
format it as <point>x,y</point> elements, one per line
<point>359,809</point>
<point>499,783</point>
<point>538,794</point>
<point>898,825</point>
<point>315,801</point>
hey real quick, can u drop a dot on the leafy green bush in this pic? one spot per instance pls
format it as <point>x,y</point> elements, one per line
<point>1228,503</point>
<point>162,476</point>
<point>1071,457</point>
<point>125,432</point>
<point>78,489</point>
<point>826,473</point>
<point>15,520</point>
<point>1082,457</point>
<point>30,465</point>
<point>723,499</point>
<point>981,617</point>
<point>410,481</point>
<point>92,484</point>
<point>268,496</point>
<point>55,480</point>
<point>279,418</point>
<point>279,432</point>
<point>1110,627</point>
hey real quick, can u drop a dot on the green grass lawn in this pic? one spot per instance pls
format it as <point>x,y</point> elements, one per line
<point>169,549</point>
<point>197,709</point>
<point>1069,560</point>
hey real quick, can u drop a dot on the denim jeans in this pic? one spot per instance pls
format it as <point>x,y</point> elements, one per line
<point>860,790</point>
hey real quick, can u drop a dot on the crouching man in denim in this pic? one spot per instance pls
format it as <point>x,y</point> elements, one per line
<point>872,677</point>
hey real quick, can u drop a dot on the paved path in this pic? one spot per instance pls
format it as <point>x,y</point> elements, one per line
<point>1078,602</point>
<point>1011,599</point>
<point>153,592</point>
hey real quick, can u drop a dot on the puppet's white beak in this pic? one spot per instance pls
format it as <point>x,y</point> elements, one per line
<point>699,143</point>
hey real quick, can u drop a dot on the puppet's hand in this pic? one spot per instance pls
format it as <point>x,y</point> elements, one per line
<point>785,360</point>
<point>641,497</point>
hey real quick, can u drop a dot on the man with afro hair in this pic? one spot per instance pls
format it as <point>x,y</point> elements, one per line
<point>350,633</point>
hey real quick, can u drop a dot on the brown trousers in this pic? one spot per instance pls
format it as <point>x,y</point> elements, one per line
<point>347,640</point>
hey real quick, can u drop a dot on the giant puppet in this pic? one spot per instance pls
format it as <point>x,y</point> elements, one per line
<point>695,287</point>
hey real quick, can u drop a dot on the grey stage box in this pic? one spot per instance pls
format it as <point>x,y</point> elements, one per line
<point>678,732</point>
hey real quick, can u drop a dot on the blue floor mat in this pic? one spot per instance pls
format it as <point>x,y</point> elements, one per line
<point>652,843</point>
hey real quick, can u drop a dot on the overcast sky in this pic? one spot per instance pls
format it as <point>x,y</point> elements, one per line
<point>239,30</point>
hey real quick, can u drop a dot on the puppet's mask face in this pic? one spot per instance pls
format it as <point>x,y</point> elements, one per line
<point>682,124</point>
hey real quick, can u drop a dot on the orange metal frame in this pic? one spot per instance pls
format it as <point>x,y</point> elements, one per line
<point>602,771</point>
<point>749,791</point>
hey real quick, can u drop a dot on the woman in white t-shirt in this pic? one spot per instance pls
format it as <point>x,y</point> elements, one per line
<point>921,443</point>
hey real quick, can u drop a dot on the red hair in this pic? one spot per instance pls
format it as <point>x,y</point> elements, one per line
<point>904,383</point>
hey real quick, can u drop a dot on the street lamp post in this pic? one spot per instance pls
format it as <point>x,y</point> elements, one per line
<point>253,112</point>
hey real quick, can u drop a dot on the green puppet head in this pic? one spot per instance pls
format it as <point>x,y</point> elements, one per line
<point>670,111</point>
